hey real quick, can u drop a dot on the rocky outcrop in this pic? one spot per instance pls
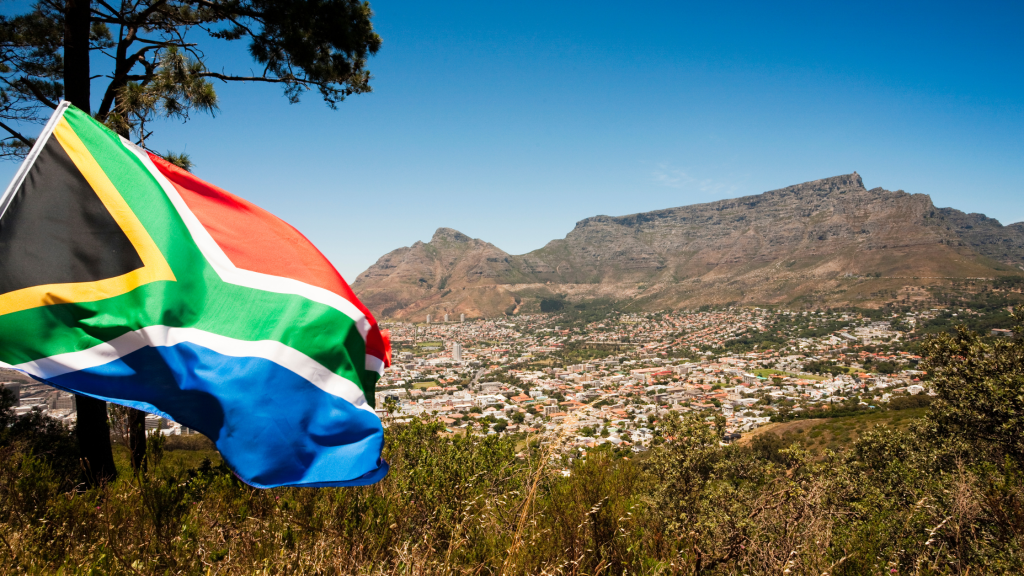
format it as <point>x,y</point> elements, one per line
<point>985,235</point>
<point>799,242</point>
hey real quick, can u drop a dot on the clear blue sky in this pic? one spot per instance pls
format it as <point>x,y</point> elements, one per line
<point>510,121</point>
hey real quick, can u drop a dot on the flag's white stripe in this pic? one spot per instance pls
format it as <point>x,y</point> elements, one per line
<point>231,274</point>
<point>374,364</point>
<point>155,336</point>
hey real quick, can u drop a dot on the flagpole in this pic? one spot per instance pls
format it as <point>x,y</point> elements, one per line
<point>19,176</point>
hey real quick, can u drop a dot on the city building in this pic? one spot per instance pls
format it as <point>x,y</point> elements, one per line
<point>66,401</point>
<point>152,423</point>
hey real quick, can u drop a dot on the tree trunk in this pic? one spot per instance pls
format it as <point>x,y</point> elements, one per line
<point>93,431</point>
<point>76,53</point>
<point>137,439</point>
<point>94,440</point>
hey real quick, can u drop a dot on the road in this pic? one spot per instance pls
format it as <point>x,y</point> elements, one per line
<point>476,376</point>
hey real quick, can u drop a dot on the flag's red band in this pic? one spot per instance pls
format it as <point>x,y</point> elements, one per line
<point>256,240</point>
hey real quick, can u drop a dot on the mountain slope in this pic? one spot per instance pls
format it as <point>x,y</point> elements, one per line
<point>830,241</point>
<point>427,274</point>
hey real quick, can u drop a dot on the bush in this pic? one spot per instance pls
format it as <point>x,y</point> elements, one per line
<point>549,305</point>
<point>194,442</point>
<point>909,402</point>
<point>944,496</point>
<point>42,437</point>
<point>980,388</point>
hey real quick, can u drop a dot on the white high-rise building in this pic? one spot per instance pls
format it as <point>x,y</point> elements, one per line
<point>457,352</point>
<point>445,317</point>
<point>428,318</point>
<point>462,317</point>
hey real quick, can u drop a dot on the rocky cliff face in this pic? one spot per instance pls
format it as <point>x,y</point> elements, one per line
<point>426,274</point>
<point>812,219</point>
<point>985,235</point>
<point>802,242</point>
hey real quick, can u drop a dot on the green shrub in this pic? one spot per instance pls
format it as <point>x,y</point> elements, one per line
<point>939,495</point>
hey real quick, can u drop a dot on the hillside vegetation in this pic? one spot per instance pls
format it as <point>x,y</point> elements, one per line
<point>817,435</point>
<point>938,494</point>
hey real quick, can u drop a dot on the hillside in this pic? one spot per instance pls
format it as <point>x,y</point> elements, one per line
<point>435,275</point>
<point>820,434</point>
<point>826,242</point>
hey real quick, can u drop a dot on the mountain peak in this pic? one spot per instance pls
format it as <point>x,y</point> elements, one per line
<point>843,181</point>
<point>449,235</point>
<point>840,182</point>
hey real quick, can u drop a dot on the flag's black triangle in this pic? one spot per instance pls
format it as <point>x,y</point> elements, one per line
<point>57,231</point>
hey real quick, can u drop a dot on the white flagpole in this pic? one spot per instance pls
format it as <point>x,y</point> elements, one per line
<point>19,176</point>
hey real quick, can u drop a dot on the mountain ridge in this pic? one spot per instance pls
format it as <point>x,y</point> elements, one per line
<point>802,242</point>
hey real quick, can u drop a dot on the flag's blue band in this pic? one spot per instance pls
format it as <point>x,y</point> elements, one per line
<point>273,426</point>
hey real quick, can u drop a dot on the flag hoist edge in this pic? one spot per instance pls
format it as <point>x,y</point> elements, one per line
<point>128,279</point>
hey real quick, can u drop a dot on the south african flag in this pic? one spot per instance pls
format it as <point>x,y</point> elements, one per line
<point>128,279</point>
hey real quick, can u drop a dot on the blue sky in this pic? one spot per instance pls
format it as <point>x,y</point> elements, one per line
<point>510,121</point>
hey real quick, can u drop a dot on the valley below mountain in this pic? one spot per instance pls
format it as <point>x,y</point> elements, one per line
<point>824,243</point>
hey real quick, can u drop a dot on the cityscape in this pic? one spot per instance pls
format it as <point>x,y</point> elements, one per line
<point>591,383</point>
<point>586,384</point>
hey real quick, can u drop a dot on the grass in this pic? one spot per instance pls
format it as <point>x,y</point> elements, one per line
<point>768,372</point>
<point>425,384</point>
<point>820,434</point>
<point>179,453</point>
<point>456,504</point>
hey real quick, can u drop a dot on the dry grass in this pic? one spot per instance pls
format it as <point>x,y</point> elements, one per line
<point>469,505</point>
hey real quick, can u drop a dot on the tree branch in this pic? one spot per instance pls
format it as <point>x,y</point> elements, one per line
<point>181,43</point>
<point>16,134</point>
<point>104,20</point>
<point>113,11</point>
<point>121,70</point>
<point>143,16</point>
<point>35,92</point>
<point>228,78</point>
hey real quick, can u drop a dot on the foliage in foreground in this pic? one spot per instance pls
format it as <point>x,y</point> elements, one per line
<point>943,496</point>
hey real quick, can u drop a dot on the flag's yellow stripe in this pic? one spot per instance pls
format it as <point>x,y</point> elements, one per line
<point>154,267</point>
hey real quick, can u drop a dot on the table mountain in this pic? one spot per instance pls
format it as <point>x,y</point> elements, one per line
<point>826,242</point>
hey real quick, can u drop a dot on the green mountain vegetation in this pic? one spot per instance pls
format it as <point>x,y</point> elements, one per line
<point>935,489</point>
<point>835,433</point>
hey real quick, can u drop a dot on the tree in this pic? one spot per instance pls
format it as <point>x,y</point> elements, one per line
<point>41,436</point>
<point>683,466</point>
<point>129,427</point>
<point>155,67</point>
<point>155,63</point>
<point>886,367</point>
<point>29,43</point>
<point>980,388</point>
